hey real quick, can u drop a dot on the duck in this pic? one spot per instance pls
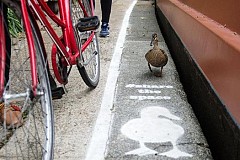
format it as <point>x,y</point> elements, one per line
<point>156,56</point>
<point>154,126</point>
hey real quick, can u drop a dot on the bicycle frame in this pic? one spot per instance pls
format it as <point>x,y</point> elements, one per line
<point>66,45</point>
<point>2,53</point>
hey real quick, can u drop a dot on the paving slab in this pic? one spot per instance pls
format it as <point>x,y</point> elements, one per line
<point>151,116</point>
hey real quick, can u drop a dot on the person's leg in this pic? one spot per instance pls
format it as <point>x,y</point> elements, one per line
<point>106,6</point>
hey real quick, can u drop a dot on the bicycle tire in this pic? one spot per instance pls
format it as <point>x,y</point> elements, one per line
<point>88,63</point>
<point>34,139</point>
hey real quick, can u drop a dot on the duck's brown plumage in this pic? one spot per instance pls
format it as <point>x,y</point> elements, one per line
<point>156,56</point>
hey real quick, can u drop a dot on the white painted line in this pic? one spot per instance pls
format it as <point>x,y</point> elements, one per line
<point>150,97</point>
<point>149,91</point>
<point>97,148</point>
<point>147,86</point>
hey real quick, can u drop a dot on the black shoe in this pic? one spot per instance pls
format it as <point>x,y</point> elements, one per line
<point>104,30</point>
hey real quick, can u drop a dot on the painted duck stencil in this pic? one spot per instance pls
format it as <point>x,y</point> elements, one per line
<point>151,128</point>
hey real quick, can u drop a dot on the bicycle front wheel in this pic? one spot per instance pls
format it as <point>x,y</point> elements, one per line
<point>89,61</point>
<point>34,138</point>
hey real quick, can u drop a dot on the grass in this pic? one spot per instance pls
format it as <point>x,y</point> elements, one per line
<point>14,25</point>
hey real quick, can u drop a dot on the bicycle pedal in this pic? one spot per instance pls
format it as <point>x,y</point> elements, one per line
<point>57,93</point>
<point>88,23</point>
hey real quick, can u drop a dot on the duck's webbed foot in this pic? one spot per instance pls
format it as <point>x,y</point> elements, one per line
<point>158,74</point>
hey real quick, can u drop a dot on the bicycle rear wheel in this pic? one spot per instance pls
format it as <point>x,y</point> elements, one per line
<point>34,139</point>
<point>89,61</point>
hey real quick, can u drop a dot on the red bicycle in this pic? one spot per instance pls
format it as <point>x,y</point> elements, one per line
<point>26,65</point>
